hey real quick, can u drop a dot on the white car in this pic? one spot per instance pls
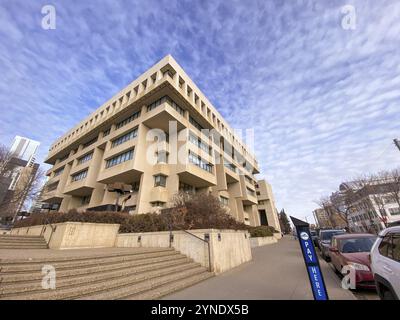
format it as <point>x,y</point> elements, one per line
<point>385,263</point>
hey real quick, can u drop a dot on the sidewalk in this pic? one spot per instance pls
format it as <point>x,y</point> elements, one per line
<point>277,272</point>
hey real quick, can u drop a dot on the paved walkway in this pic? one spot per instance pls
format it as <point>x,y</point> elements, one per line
<point>277,272</point>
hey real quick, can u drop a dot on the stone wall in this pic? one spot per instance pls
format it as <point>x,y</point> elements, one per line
<point>74,235</point>
<point>228,248</point>
<point>262,241</point>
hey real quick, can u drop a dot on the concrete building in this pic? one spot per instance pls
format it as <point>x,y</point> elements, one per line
<point>160,135</point>
<point>267,211</point>
<point>20,167</point>
<point>322,218</point>
<point>24,148</point>
<point>372,206</point>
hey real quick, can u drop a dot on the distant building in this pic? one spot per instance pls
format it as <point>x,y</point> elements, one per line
<point>372,206</point>
<point>20,168</point>
<point>322,218</point>
<point>24,148</point>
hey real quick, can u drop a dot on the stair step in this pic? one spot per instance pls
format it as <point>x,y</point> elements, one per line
<point>85,263</point>
<point>16,243</point>
<point>12,236</point>
<point>130,289</point>
<point>67,258</point>
<point>24,277</point>
<point>23,247</point>
<point>169,288</point>
<point>106,287</point>
<point>76,280</point>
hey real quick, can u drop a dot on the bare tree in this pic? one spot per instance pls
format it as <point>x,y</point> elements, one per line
<point>29,181</point>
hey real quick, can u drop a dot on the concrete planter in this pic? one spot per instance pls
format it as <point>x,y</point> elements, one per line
<point>228,248</point>
<point>74,235</point>
<point>262,241</point>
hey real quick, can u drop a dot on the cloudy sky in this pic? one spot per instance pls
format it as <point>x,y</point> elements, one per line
<point>321,97</point>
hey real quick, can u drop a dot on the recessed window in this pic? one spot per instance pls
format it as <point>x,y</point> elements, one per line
<point>79,176</point>
<point>160,180</point>
<point>85,200</point>
<point>123,157</point>
<point>157,204</point>
<point>162,156</point>
<point>224,201</point>
<point>127,120</point>
<point>126,137</point>
<point>85,158</point>
<point>58,172</point>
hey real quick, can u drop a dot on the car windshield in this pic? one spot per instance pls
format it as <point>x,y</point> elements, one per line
<point>356,245</point>
<point>327,235</point>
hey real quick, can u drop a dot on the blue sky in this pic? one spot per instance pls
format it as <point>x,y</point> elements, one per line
<point>322,100</point>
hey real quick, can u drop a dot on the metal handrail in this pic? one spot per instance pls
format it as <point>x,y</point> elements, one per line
<point>46,222</point>
<point>206,241</point>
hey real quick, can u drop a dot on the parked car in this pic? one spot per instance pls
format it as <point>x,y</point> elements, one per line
<point>314,236</point>
<point>353,249</point>
<point>324,242</point>
<point>385,263</point>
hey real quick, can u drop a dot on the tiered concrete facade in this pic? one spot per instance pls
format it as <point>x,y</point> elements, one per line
<point>122,142</point>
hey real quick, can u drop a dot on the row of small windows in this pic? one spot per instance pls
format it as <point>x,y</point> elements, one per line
<point>58,172</point>
<point>79,176</point>
<point>127,120</point>
<point>123,157</point>
<point>199,143</point>
<point>89,143</point>
<point>85,158</point>
<point>198,161</point>
<point>168,100</point>
<point>195,123</point>
<point>126,137</point>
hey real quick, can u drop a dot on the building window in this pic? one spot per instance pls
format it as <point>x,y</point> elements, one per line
<point>200,144</point>
<point>123,157</point>
<point>195,124</point>
<point>196,160</point>
<point>224,201</point>
<point>127,120</point>
<point>107,132</point>
<point>229,165</point>
<point>85,200</point>
<point>126,137</point>
<point>157,204</point>
<point>261,202</point>
<point>135,186</point>
<point>58,172</point>
<point>250,192</point>
<point>160,180</point>
<point>64,158</point>
<point>89,143</point>
<point>85,158</point>
<point>162,156</point>
<point>79,176</point>
<point>52,187</point>
<point>184,187</point>
<point>168,100</point>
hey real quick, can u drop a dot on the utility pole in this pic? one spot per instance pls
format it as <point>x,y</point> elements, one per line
<point>397,143</point>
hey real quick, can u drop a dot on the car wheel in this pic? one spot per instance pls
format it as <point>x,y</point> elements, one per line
<point>387,295</point>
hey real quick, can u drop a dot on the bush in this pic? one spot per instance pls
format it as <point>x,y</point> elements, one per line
<point>262,231</point>
<point>198,211</point>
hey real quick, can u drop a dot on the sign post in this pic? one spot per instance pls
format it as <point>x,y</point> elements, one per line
<point>310,259</point>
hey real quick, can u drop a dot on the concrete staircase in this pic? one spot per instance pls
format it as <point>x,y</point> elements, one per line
<point>22,242</point>
<point>140,273</point>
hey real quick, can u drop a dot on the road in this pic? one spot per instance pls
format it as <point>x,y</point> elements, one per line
<point>277,272</point>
